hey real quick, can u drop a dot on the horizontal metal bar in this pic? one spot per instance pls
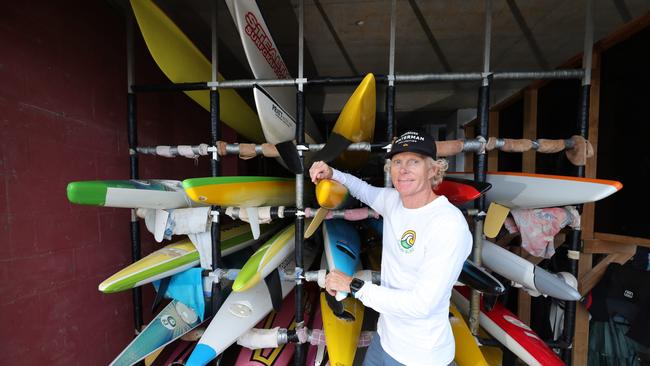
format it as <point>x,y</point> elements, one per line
<point>170,87</point>
<point>352,80</point>
<point>533,75</point>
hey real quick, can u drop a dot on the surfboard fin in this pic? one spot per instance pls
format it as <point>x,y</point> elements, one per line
<point>275,289</point>
<point>494,219</point>
<point>160,295</point>
<point>160,224</point>
<point>315,222</point>
<point>336,144</point>
<point>254,221</point>
<point>289,155</point>
<point>338,309</point>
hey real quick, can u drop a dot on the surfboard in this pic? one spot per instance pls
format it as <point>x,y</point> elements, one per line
<point>175,352</point>
<point>241,311</point>
<point>177,257</point>
<point>276,106</point>
<point>342,248</point>
<point>285,319</point>
<point>527,190</point>
<point>153,193</point>
<point>342,335</point>
<point>242,191</point>
<point>511,332</point>
<point>530,276</point>
<point>468,352</point>
<point>170,324</point>
<point>266,259</point>
<point>181,61</point>
<point>356,123</point>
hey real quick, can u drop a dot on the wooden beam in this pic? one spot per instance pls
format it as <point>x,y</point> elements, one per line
<point>530,129</point>
<point>623,239</point>
<point>589,210</point>
<point>620,35</point>
<point>591,278</point>
<point>607,247</point>
<point>626,31</point>
<point>523,306</point>
<point>581,334</point>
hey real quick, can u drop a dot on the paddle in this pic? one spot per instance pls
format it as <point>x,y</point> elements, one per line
<point>338,309</point>
<point>330,195</point>
<point>494,219</point>
<point>275,288</point>
<point>289,155</point>
<point>356,123</point>
<point>160,295</point>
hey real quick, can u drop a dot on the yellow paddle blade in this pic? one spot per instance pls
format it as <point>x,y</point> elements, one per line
<point>316,221</point>
<point>149,360</point>
<point>331,194</point>
<point>496,215</point>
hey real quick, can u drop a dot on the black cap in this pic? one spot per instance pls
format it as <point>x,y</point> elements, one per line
<point>414,142</point>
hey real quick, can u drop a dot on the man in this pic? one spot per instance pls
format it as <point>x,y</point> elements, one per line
<point>425,242</point>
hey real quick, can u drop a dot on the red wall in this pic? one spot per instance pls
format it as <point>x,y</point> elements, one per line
<point>63,118</point>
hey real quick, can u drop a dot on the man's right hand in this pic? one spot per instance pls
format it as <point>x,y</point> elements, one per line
<point>320,170</point>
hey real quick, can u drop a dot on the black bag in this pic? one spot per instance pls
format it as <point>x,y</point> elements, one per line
<point>624,291</point>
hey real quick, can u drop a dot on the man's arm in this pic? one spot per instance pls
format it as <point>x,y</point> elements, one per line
<point>361,190</point>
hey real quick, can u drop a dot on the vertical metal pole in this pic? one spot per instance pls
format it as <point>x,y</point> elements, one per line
<point>215,167</point>
<point>299,357</point>
<point>480,162</point>
<point>575,239</point>
<point>133,164</point>
<point>390,89</point>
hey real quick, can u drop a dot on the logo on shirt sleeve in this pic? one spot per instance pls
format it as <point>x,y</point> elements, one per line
<point>407,241</point>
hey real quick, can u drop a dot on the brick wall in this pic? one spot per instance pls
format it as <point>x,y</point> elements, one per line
<point>63,118</point>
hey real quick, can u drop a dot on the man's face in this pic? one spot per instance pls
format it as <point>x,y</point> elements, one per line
<point>411,173</point>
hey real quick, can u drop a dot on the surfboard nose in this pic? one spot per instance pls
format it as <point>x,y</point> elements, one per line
<point>201,355</point>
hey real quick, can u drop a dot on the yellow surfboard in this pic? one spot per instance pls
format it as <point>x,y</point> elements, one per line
<point>242,191</point>
<point>181,61</point>
<point>468,352</point>
<point>342,336</point>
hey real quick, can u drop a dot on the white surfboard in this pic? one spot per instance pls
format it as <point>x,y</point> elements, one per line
<point>527,190</point>
<point>241,311</point>
<point>153,193</point>
<point>528,275</point>
<point>266,62</point>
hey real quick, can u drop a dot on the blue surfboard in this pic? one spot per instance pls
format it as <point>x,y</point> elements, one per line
<point>342,248</point>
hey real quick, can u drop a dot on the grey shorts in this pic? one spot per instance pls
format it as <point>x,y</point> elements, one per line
<point>376,356</point>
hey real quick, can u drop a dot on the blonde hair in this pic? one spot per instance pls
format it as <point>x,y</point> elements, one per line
<point>442,165</point>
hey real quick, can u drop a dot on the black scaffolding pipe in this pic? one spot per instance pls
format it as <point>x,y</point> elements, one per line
<point>132,129</point>
<point>299,356</point>
<point>575,240</point>
<point>480,162</point>
<point>215,167</point>
<point>390,89</point>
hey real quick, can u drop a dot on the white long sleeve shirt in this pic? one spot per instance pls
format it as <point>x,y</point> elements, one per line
<point>423,254</point>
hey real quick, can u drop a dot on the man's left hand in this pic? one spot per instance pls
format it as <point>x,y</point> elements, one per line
<point>337,281</point>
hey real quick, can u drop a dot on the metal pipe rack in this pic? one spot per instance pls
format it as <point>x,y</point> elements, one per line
<point>485,77</point>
